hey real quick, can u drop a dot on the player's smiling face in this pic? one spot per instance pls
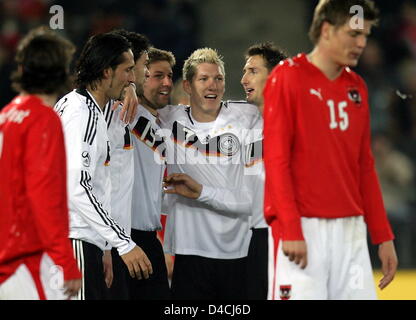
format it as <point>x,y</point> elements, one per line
<point>158,85</point>
<point>254,78</point>
<point>121,76</point>
<point>206,88</point>
<point>346,44</point>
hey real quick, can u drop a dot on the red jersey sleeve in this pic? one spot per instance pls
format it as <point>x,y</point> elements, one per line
<point>280,106</point>
<point>45,181</point>
<point>374,211</point>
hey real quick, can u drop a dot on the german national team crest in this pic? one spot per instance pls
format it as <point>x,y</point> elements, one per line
<point>354,96</point>
<point>285,291</point>
<point>228,144</point>
<point>86,159</point>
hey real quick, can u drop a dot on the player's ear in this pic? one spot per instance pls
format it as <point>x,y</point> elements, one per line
<point>108,73</point>
<point>325,30</point>
<point>186,86</point>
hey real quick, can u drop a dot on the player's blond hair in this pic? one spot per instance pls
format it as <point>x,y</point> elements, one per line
<point>204,55</point>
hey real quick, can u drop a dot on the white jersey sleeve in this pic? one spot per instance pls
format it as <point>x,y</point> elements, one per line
<point>88,156</point>
<point>254,169</point>
<point>228,201</point>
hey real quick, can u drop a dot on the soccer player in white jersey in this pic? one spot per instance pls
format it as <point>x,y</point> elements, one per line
<point>104,70</point>
<point>122,165</point>
<point>149,167</point>
<point>260,61</point>
<point>321,189</point>
<point>207,228</point>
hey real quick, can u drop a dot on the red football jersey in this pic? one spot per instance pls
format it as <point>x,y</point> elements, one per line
<point>33,196</point>
<point>317,152</point>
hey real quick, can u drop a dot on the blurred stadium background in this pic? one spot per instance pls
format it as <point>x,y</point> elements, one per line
<point>388,65</point>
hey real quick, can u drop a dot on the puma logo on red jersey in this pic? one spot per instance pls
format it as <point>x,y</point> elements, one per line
<point>316,93</point>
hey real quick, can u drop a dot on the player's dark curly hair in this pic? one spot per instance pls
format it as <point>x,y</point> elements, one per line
<point>140,43</point>
<point>43,58</point>
<point>336,12</point>
<point>101,52</point>
<point>271,54</point>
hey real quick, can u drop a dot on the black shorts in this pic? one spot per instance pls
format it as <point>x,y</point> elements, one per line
<point>200,278</point>
<point>157,286</point>
<point>90,262</point>
<point>257,265</point>
<point>119,289</point>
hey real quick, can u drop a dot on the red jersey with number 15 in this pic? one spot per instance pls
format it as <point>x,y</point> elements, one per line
<point>317,150</point>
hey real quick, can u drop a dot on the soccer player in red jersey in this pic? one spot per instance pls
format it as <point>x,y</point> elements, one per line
<point>321,187</point>
<point>36,257</point>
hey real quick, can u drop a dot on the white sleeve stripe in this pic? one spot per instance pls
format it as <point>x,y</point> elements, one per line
<point>81,255</point>
<point>85,179</point>
<point>77,246</point>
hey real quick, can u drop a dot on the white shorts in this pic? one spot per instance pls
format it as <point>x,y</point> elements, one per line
<point>21,285</point>
<point>339,266</point>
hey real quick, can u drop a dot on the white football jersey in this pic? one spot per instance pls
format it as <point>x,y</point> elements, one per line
<point>216,225</point>
<point>121,168</point>
<point>257,219</point>
<point>255,167</point>
<point>89,182</point>
<point>149,167</point>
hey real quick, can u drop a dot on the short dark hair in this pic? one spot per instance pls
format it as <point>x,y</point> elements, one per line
<point>156,55</point>
<point>336,12</point>
<point>43,58</point>
<point>101,52</point>
<point>139,42</point>
<point>270,53</point>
